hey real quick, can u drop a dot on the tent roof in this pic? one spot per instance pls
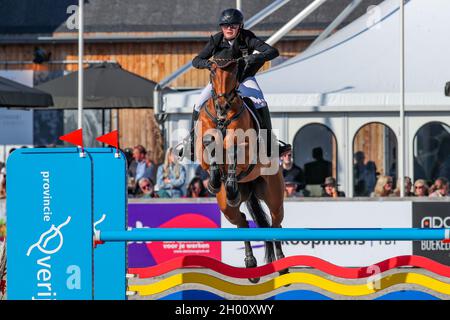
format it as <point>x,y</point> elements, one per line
<point>107,85</point>
<point>16,95</point>
<point>358,68</point>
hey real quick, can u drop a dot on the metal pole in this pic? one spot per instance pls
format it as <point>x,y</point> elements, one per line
<point>401,149</point>
<point>339,19</point>
<point>239,5</point>
<point>80,63</point>
<point>274,234</point>
<point>295,21</point>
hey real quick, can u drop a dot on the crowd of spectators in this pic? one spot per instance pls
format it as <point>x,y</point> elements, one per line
<point>146,179</point>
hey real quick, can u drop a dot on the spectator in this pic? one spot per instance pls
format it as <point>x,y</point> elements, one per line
<point>147,188</point>
<point>365,175</point>
<point>408,186</point>
<point>290,169</point>
<point>290,187</point>
<point>138,168</point>
<point>204,177</point>
<point>196,189</point>
<point>316,171</point>
<point>151,168</point>
<point>420,188</point>
<point>330,188</point>
<point>383,188</point>
<point>440,188</point>
<point>171,176</point>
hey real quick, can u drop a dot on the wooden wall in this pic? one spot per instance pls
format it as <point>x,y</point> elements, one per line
<point>151,60</point>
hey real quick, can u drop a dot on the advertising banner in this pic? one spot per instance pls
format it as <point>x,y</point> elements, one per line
<point>50,210</point>
<point>432,215</point>
<point>171,215</point>
<point>332,214</point>
<point>110,203</point>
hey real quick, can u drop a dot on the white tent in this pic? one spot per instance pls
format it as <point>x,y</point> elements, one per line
<point>359,66</point>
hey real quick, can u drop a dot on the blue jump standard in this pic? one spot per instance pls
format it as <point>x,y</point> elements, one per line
<point>274,234</point>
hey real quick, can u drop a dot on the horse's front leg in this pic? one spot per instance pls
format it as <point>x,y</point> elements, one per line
<point>215,179</point>
<point>237,218</point>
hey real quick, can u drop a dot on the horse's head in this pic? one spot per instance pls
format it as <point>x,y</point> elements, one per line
<point>224,80</point>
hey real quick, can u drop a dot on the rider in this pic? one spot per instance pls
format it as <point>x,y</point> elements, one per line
<point>233,41</point>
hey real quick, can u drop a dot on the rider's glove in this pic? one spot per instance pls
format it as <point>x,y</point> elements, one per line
<point>253,58</point>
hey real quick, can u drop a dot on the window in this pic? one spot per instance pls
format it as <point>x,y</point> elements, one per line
<point>315,152</point>
<point>374,154</point>
<point>432,152</point>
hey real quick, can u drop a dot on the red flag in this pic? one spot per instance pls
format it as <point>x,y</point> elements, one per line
<point>75,137</point>
<point>111,139</point>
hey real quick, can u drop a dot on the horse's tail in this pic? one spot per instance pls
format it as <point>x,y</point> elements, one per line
<point>262,221</point>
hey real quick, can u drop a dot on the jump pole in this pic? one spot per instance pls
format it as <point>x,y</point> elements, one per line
<point>274,234</point>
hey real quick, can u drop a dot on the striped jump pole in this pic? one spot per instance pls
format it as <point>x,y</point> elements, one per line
<point>274,234</point>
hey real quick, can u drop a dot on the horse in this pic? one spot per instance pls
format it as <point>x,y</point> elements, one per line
<point>249,180</point>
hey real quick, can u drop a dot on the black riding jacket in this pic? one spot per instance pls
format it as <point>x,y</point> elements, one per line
<point>244,44</point>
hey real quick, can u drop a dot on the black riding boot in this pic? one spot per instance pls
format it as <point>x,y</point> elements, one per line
<point>188,145</point>
<point>264,115</point>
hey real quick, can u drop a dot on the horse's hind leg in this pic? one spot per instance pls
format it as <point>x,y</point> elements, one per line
<point>274,201</point>
<point>250,260</point>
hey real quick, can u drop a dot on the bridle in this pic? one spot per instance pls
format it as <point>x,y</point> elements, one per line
<point>221,121</point>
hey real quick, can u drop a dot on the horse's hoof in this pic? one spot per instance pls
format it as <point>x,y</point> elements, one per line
<point>212,189</point>
<point>234,202</point>
<point>254,280</point>
<point>250,262</point>
<point>282,272</point>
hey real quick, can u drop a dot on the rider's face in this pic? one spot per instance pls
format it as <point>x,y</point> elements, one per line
<point>230,31</point>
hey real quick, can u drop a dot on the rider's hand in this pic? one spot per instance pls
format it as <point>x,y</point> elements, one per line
<point>250,59</point>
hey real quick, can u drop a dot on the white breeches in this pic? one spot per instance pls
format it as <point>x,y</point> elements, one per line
<point>248,88</point>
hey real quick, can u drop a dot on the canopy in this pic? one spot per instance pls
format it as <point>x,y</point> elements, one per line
<point>106,86</point>
<point>17,95</point>
<point>358,67</point>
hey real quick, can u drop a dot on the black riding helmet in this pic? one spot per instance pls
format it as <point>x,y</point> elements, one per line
<point>231,16</point>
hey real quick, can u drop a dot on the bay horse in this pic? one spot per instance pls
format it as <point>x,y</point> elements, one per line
<point>241,176</point>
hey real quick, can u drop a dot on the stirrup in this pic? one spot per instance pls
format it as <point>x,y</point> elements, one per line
<point>180,152</point>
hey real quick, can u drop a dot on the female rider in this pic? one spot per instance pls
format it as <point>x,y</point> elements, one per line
<point>233,42</point>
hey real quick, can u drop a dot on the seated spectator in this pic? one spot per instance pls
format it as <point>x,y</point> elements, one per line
<point>171,176</point>
<point>196,189</point>
<point>383,188</point>
<point>147,189</point>
<point>330,188</point>
<point>440,188</point>
<point>408,186</point>
<point>139,169</point>
<point>151,167</point>
<point>420,188</point>
<point>290,169</point>
<point>290,187</point>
